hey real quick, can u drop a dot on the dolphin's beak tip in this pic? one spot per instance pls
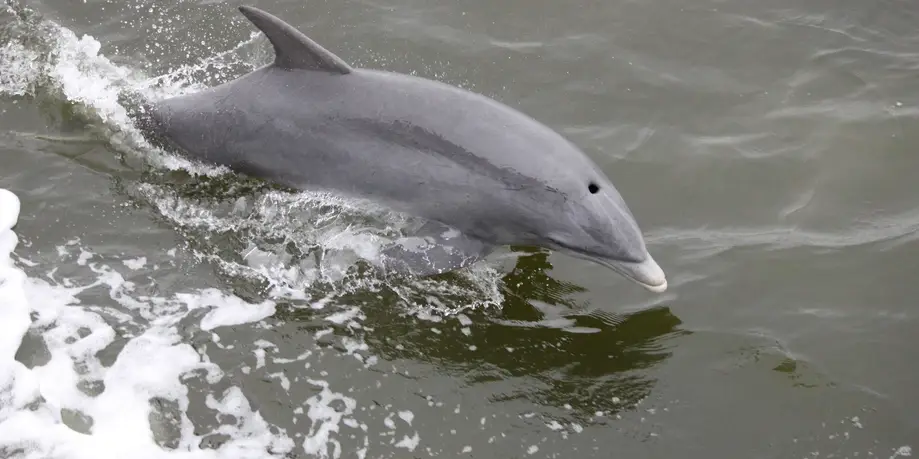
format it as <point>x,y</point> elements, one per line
<point>650,275</point>
<point>660,288</point>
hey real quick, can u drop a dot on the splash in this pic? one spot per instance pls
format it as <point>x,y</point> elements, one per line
<point>50,410</point>
<point>44,61</point>
<point>62,395</point>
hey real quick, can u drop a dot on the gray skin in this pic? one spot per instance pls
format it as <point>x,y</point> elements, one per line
<point>481,173</point>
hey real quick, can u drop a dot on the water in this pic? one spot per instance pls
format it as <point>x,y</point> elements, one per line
<point>767,148</point>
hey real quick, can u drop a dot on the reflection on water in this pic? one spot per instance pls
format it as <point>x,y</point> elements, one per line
<point>585,362</point>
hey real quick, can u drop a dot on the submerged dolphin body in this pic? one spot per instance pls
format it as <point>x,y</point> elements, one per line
<point>481,173</point>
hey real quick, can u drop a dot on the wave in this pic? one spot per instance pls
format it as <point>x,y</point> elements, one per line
<point>892,230</point>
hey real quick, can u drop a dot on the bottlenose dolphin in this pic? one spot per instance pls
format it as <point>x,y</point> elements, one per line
<point>480,173</point>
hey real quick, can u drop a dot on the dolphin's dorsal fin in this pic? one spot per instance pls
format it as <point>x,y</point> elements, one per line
<point>293,49</point>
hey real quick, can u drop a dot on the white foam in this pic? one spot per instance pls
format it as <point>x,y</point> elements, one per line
<point>325,420</point>
<point>37,403</point>
<point>18,386</point>
<point>136,263</point>
<point>226,309</point>
<point>45,413</point>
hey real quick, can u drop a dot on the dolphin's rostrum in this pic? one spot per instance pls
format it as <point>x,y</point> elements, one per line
<point>481,173</point>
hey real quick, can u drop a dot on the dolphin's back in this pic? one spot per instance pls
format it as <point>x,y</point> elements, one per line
<point>414,144</point>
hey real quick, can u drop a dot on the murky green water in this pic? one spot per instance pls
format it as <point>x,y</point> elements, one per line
<point>769,149</point>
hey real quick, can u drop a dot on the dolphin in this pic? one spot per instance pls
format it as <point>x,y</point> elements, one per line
<point>478,172</point>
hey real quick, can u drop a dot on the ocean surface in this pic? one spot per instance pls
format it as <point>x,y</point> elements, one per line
<point>155,308</point>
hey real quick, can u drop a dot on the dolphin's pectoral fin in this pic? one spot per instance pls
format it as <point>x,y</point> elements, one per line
<point>293,49</point>
<point>434,249</point>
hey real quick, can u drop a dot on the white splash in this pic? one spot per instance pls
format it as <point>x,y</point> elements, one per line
<point>226,309</point>
<point>74,71</point>
<point>73,406</point>
<point>136,263</point>
<point>38,405</point>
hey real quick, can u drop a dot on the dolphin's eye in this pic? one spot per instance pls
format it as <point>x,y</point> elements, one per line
<point>593,188</point>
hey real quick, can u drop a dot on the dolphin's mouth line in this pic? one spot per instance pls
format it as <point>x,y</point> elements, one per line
<point>639,272</point>
<point>630,274</point>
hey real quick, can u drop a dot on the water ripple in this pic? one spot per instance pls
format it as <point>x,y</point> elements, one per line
<point>898,229</point>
